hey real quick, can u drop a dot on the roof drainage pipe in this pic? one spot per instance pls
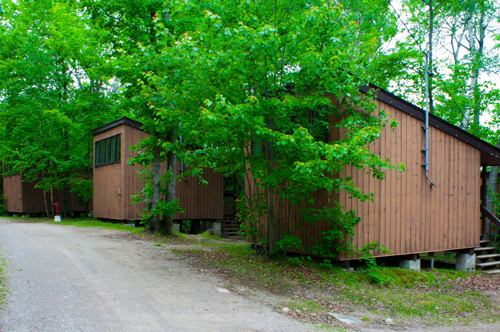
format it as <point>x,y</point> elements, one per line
<point>426,128</point>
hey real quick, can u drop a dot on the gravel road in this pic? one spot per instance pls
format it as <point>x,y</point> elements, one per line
<point>64,278</point>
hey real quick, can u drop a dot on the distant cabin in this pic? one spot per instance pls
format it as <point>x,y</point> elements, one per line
<point>21,197</point>
<point>408,216</point>
<point>115,181</point>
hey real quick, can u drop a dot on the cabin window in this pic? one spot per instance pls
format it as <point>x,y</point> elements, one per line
<point>8,168</point>
<point>107,151</point>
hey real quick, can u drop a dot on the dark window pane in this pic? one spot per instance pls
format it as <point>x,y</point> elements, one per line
<point>103,150</point>
<point>108,151</point>
<point>118,147</point>
<point>113,149</point>
<point>97,153</point>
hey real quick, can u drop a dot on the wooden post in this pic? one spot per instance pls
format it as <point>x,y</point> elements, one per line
<point>484,185</point>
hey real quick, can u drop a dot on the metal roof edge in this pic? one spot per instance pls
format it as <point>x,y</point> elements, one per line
<point>488,150</point>
<point>116,123</point>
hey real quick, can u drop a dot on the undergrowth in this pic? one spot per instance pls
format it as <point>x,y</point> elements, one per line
<point>437,296</point>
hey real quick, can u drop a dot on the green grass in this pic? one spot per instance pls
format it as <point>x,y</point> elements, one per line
<point>85,222</point>
<point>436,296</point>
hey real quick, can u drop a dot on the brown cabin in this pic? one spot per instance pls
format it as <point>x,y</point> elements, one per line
<point>408,216</point>
<point>115,181</point>
<point>22,197</point>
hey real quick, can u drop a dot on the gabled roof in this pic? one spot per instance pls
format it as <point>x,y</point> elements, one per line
<point>490,154</point>
<point>116,123</point>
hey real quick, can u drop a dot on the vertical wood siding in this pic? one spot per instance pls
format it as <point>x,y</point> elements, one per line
<point>199,201</point>
<point>115,184</point>
<point>13,193</point>
<point>130,179</point>
<point>109,182</point>
<point>22,197</point>
<point>406,216</point>
<point>33,199</point>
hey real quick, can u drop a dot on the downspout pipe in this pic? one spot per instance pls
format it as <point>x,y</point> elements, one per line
<point>426,128</point>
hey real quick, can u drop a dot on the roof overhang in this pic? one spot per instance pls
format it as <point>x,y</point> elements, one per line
<point>116,123</point>
<point>490,154</point>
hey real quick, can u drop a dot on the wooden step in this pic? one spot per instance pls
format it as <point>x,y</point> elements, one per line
<point>492,272</point>
<point>484,248</point>
<point>487,256</point>
<point>488,264</point>
<point>484,242</point>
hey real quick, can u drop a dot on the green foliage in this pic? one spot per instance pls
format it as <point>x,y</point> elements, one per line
<point>463,90</point>
<point>161,208</point>
<point>56,87</point>
<point>266,79</point>
<point>366,254</point>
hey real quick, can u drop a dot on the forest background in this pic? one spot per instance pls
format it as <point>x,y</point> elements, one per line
<point>246,84</point>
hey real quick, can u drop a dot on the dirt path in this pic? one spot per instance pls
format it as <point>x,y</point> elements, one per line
<point>77,279</point>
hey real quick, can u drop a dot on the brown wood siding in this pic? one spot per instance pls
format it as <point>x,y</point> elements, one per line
<point>115,184</point>
<point>33,199</point>
<point>13,193</point>
<point>109,189</point>
<point>132,185</point>
<point>407,216</point>
<point>199,201</point>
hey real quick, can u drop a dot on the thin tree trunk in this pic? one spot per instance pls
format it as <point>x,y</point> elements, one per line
<point>491,193</point>
<point>273,220</point>
<point>66,202</point>
<point>473,79</point>
<point>154,226</point>
<point>170,196</point>
<point>52,200</point>
<point>431,31</point>
<point>45,202</point>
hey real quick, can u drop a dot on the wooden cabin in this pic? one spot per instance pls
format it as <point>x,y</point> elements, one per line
<point>115,181</point>
<point>408,216</point>
<point>22,197</point>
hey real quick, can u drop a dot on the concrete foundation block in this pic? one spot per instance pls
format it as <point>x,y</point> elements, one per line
<point>466,262</point>
<point>217,228</point>
<point>411,264</point>
<point>176,227</point>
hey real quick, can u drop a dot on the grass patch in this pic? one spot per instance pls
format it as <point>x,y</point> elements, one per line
<point>85,222</point>
<point>438,297</point>
<point>140,232</point>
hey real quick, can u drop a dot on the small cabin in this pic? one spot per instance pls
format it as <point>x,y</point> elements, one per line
<point>409,216</point>
<point>21,196</point>
<point>115,181</point>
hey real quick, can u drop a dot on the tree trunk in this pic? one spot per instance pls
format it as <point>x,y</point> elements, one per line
<point>431,31</point>
<point>66,202</point>
<point>273,221</point>
<point>490,195</point>
<point>154,226</point>
<point>45,202</point>
<point>473,79</point>
<point>168,220</point>
<point>52,200</point>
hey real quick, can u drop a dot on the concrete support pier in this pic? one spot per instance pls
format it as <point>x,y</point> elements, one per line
<point>411,262</point>
<point>217,228</point>
<point>465,262</point>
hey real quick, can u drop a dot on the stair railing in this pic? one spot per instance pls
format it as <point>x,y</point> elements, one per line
<point>491,217</point>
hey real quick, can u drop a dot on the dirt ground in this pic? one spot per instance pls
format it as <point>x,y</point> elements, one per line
<point>63,278</point>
